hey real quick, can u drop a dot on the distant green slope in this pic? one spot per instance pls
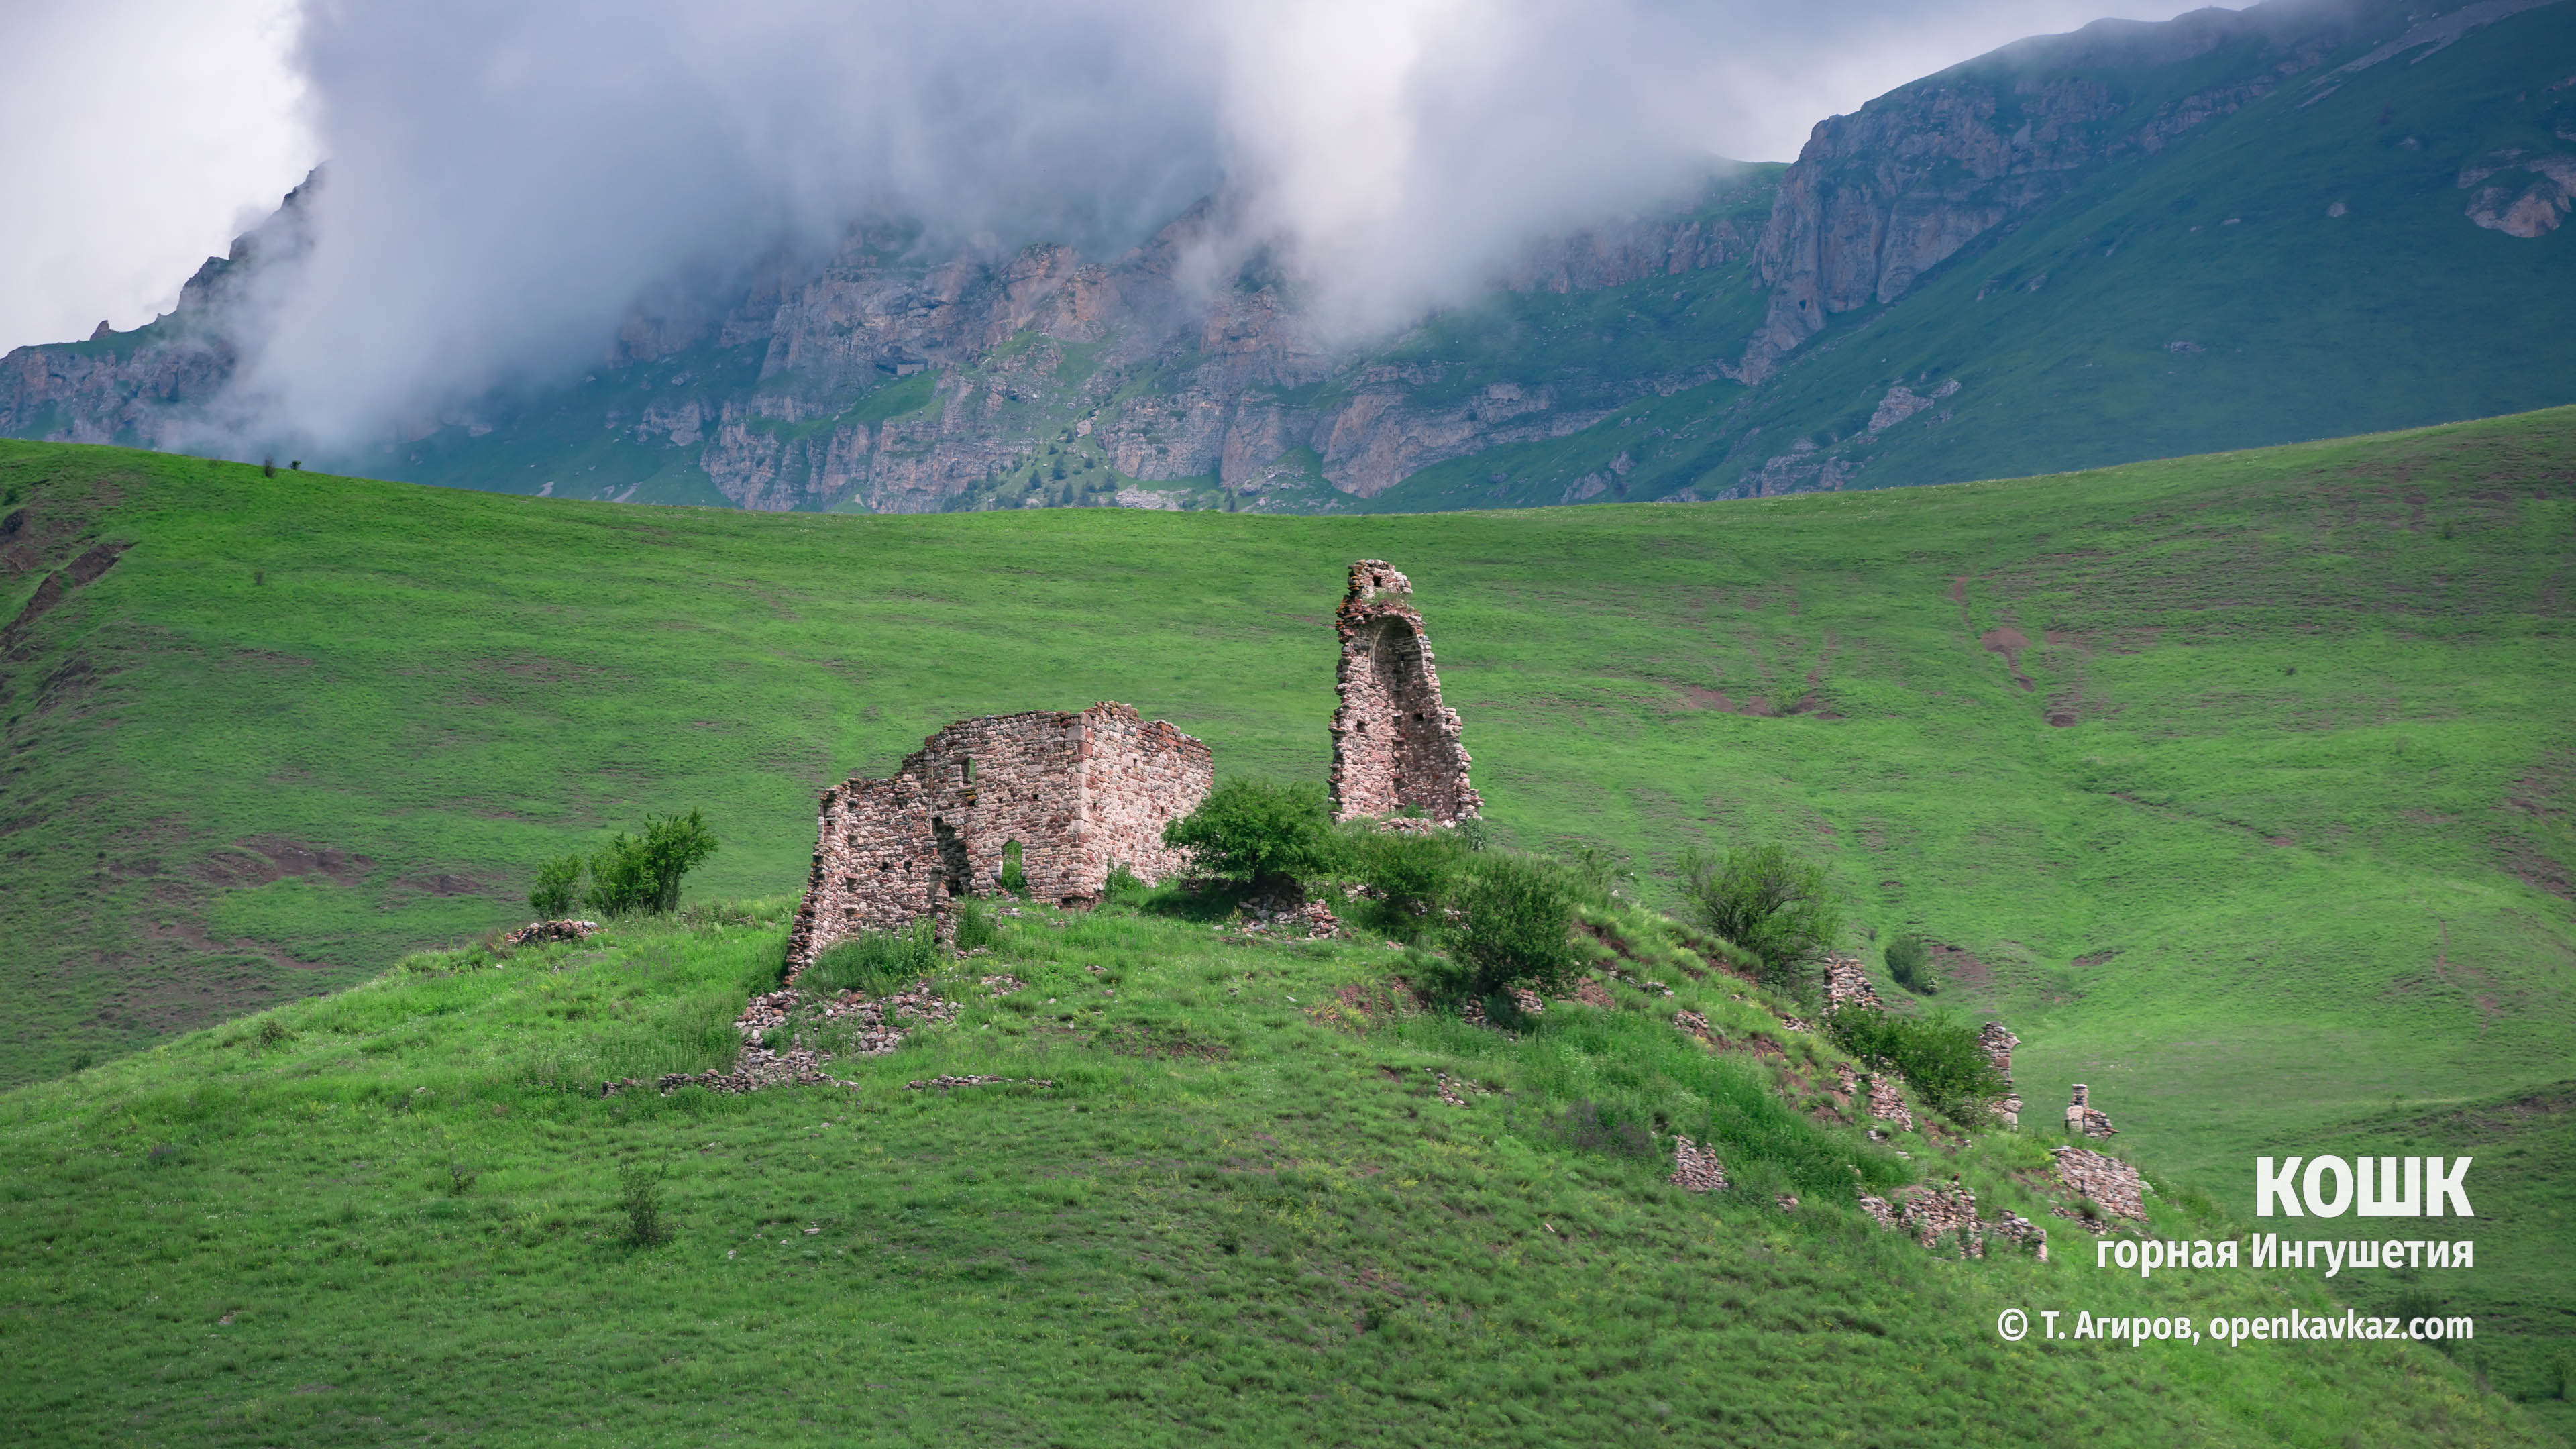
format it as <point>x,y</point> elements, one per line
<point>2301,268</point>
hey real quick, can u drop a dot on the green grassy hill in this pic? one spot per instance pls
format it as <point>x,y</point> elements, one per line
<point>394,1214</point>
<point>2239,785</point>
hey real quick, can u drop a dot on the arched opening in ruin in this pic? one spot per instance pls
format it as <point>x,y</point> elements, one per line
<point>1405,758</point>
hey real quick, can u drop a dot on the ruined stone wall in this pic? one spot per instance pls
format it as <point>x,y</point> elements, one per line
<point>1078,793</point>
<point>1395,746</point>
<point>1847,984</point>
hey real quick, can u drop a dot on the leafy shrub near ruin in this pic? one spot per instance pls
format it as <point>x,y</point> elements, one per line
<point>1937,1054</point>
<point>1414,872</point>
<point>1265,835</point>
<point>1910,962</point>
<point>558,886</point>
<point>876,962</point>
<point>1776,905</point>
<point>640,874</point>
<point>1514,925</point>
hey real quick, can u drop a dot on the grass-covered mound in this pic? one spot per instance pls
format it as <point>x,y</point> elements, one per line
<point>1242,1213</point>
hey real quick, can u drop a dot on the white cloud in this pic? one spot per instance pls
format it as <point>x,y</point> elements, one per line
<point>507,175</point>
<point>142,135</point>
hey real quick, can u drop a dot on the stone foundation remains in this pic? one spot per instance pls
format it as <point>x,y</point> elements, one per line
<point>2083,1119</point>
<point>1395,746</point>
<point>1927,1214</point>
<point>1847,984</point>
<point>1077,794</point>
<point>2112,1184</point>
<point>1999,1041</point>
<point>1695,1168</point>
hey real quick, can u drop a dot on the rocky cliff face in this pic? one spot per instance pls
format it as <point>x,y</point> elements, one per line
<point>901,382</point>
<point>1879,198</point>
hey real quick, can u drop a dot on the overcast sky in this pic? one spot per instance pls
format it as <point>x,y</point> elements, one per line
<point>509,172</point>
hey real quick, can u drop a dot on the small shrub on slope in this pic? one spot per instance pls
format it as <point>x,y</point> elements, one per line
<point>1938,1055</point>
<point>1771,903</point>
<point>1517,916</point>
<point>1415,873</point>
<point>558,886</point>
<point>1910,962</point>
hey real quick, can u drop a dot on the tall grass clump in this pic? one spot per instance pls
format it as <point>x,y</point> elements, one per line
<point>876,962</point>
<point>648,1219</point>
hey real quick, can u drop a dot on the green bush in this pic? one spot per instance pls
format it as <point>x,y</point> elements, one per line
<point>1937,1054</point>
<point>1261,834</point>
<point>1415,873</point>
<point>875,962</point>
<point>1910,962</point>
<point>635,875</point>
<point>558,886</point>
<point>1517,920</point>
<point>1769,902</point>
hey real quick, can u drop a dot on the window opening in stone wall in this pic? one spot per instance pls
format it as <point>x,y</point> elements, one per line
<point>1013,876</point>
<point>968,768</point>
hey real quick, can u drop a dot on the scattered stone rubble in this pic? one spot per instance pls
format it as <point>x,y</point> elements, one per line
<point>1005,985</point>
<point>881,1023</point>
<point>1395,746</point>
<point>2111,1184</point>
<point>944,1082</point>
<point>1691,1023</point>
<point>1078,794</point>
<point>537,931</point>
<point>1928,1214</point>
<point>1846,984</point>
<point>2083,1119</point>
<point>1589,992</point>
<point>1886,1100</point>
<point>1695,1168</point>
<point>1305,921</point>
<point>1527,1001</point>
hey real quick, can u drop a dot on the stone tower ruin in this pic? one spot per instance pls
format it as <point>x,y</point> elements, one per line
<point>1077,794</point>
<point>1395,746</point>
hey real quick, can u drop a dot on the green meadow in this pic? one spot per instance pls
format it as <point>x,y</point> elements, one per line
<point>1238,1210</point>
<point>2237,785</point>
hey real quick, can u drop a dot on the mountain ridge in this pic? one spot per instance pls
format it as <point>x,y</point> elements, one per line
<point>898,377</point>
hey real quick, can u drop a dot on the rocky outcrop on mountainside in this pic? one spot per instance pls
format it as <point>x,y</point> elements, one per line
<point>1162,381</point>
<point>135,387</point>
<point>1880,197</point>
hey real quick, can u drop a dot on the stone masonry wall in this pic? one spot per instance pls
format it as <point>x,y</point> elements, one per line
<point>1079,793</point>
<point>1395,746</point>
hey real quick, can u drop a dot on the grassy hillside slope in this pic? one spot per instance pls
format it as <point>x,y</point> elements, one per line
<point>2239,785</point>
<point>393,1214</point>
